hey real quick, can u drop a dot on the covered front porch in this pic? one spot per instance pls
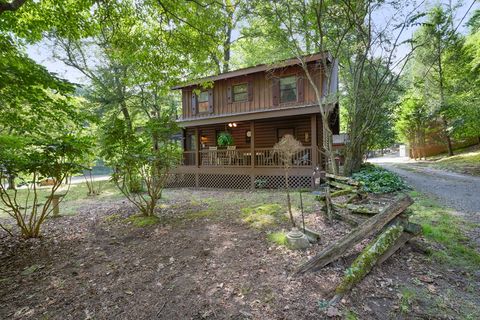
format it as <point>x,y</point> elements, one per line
<point>253,142</point>
<point>249,162</point>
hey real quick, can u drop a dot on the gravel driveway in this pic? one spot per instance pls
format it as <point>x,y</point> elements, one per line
<point>457,191</point>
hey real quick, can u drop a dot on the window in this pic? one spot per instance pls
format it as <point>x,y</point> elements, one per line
<point>288,89</point>
<point>203,102</point>
<point>240,92</point>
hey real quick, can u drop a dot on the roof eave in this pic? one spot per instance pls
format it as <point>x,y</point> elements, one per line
<point>254,69</point>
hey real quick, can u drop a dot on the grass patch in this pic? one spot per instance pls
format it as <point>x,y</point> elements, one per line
<point>406,300</point>
<point>264,215</point>
<point>278,237</point>
<point>468,162</point>
<point>76,195</point>
<point>200,214</point>
<point>465,158</point>
<point>441,226</point>
<point>142,221</point>
<point>112,218</point>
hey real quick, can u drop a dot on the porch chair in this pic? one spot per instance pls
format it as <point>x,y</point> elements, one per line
<point>212,156</point>
<point>232,155</point>
<point>304,160</point>
<point>268,158</point>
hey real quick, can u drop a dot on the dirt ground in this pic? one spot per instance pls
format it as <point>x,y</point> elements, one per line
<point>201,261</point>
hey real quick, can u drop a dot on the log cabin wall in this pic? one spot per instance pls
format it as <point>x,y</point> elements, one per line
<point>266,132</point>
<point>261,95</point>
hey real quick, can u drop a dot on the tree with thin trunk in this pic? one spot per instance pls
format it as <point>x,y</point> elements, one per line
<point>362,52</point>
<point>286,150</point>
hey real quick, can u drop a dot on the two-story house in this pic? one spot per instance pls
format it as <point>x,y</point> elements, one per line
<point>256,106</point>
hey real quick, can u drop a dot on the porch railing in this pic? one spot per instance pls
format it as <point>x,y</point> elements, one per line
<point>262,157</point>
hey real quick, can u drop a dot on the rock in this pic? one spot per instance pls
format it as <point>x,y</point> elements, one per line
<point>431,288</point>
<point>246,314</point>
<point>333,312</point>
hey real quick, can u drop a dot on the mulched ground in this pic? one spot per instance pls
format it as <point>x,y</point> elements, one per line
<point>94,265</point>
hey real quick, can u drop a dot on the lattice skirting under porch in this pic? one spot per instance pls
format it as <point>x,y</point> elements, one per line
<point>236,181</point>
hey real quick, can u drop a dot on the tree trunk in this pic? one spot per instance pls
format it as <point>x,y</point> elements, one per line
<point>447,135</point>
<point>328,145</point>
<point>442,100</point>
<point>353,158</point>
<point>11,182</point>
<point>289,203</point>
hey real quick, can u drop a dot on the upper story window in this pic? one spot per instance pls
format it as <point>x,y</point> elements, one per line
<point>240,92</point>
<point>288,89</point>
<point>203,102</point>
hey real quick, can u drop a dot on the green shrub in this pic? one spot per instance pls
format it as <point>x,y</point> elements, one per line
<point>378,180</point>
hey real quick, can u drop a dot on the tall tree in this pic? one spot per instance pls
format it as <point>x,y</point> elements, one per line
<point>442,76</point>
<point>366,52</point>
<point>437,35</point>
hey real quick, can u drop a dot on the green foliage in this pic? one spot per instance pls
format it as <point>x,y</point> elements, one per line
<point>278,237</point>
<point>406,300</point>
<point>378,180</point>
<point>141,160</point>
<point>413,120</point>
<point>32,159</point>
<point>225,139</point>
<point>442,82</point>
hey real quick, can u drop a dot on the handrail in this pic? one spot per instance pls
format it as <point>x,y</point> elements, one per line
<point>263,157</point>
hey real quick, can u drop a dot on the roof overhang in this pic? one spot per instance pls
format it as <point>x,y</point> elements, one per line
<point>257,68</point>
<point>248,116</point>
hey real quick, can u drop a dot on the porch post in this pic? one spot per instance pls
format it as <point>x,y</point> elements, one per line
<point>197,157</point>
<point>197,148</point>
<point>252,154</point>
<point>314,143</point>
<point>313,125</point>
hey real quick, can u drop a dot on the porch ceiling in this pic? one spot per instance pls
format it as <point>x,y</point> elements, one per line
<point>247,116</point>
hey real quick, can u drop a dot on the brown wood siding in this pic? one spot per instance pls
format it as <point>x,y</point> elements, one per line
<point>266,131</point>
<point>262,98</point>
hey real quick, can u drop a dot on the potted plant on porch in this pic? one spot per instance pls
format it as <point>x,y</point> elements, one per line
<point>224,139</point>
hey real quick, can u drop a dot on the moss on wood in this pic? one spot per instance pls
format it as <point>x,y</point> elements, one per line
<point>367,259</point>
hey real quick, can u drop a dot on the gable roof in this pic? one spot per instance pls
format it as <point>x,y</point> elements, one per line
<point>254,69</point>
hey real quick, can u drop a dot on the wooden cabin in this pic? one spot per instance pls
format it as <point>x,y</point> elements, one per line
<point>257,106</point>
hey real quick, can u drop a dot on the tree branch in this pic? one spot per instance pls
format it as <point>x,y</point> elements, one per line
<point>11,6</point>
